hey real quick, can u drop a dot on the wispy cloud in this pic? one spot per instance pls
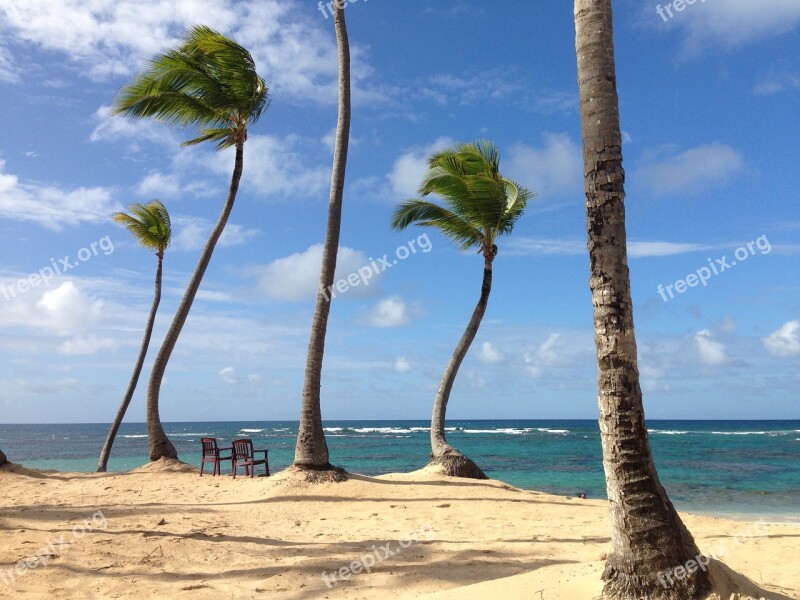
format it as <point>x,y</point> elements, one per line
<point>691,171</point>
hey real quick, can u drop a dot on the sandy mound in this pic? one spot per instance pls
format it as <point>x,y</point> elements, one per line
<point>166,465</point>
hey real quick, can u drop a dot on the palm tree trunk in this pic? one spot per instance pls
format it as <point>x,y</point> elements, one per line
<point>648,537</point>
<point>442,453</point>
<point>311,451</point>
<point>160,446</point>
<point>3,459</point>
<point>102,463</point>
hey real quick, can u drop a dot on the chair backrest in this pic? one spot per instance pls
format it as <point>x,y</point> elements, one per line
<point>209,446</point>
<point>243,449</point>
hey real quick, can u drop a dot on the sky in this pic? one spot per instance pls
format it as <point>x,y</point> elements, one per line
<point>708,101</point>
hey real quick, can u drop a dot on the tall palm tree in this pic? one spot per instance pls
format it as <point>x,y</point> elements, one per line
<point>209,81</point>
<point>648,536</point>
<point>150,225</point>
<point>3,459</point>
<point>311,450</point>
<point>481,206</point>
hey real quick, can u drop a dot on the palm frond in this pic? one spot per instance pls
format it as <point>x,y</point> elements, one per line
<point>429,214</point>
<point>208,81</point>
<point>149,224</point>
<point>480,204</point>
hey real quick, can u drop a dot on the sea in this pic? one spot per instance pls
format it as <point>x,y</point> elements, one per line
<point>738,469</point>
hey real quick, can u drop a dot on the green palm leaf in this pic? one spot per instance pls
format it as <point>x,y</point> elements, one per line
<point>149,224</point>
<point>209,82</point>
<point>480,204</point>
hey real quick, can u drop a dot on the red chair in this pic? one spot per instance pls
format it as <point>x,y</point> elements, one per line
<point>211,453</point>
<point>244,456</point>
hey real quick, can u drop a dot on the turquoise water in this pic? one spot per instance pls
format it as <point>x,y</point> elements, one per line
<point>724,467</point>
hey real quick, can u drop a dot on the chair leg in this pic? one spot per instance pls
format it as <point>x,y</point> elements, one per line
<point>202,464</point>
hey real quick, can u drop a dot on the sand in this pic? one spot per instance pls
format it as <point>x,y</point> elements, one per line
<point>163,532</point>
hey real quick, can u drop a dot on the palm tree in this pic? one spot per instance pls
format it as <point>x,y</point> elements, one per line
<point>481,206</point>
<point>3,459</point>
<point>648,536</point>
<point>209,81</point>
<point>311,450</point>
<point>149,224</point>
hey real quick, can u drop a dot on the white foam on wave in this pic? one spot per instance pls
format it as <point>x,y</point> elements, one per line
<point>381,430</point>
<point>252,430</point>
<point>667,432</point>
<point>507,431</point>
<point>548,430</point>
<point>771,433</point>
<point>144,435</point>
<point>333,429</point>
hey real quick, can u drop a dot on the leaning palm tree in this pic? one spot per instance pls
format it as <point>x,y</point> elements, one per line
<point>209,81</point>
<point>150,225</point>
<point>648,536</point>
<point>481,206</point>
<point>311,450</point>
<point>3,459</point>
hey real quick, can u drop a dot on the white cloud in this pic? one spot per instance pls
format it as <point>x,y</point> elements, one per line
<point>693,170</point>
<point>389,312</point>
<point>293,50</point>
<point>401,365</point>
<point>548,354</point>
<point>110,128</point>
<point>477,87</point>
<point>8,72</point>
<point>778,83</point>
<point>489,353</point>
<point>65,315</point>
<point>409,169</point>
<point>526,246</point>
<point>711,352</point>
<point>784,341</point>
<point>228,375</point>
<point>50,206</point>
<point>553,169</point>
<point>192,233</point>
<point>159,185</point>
<point>273,167</point>
<point>731,23</point>
<point>85,345</point>
<point>296,277</point>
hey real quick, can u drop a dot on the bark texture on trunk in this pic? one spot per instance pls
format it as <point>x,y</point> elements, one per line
<point>3,459</point>
<point>160,446</point>
<point>102,463</point>
<point>453,462</point>
<point>311,451</point>
<point>648,537</point>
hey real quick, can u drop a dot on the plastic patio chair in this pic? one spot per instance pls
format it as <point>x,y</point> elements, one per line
<point>211,454</point>
<point>244,456</point>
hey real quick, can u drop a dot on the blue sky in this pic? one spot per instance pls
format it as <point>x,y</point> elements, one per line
<point>709,111</point>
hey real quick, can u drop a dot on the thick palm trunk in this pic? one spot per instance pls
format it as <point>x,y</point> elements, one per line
<point>648,537</point>
<point>102,463</point>
<point>311,451</point>
<point>3,459</point>
<point>453,462</point>
<point>160,446</point>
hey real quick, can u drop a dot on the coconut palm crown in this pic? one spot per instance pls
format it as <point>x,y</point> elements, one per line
<point>209,81</point>
<point>481,204</point>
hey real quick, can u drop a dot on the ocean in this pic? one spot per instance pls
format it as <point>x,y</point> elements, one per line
<point>728,468</point>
